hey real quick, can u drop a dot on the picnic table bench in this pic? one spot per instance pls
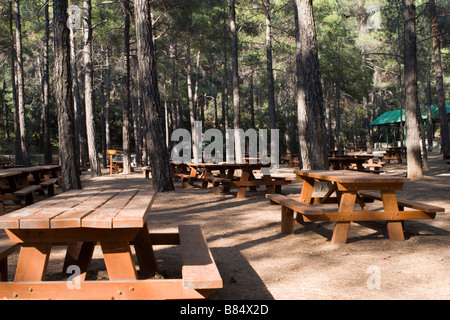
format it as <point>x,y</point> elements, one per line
<point>116,219</point>
<point>20,184</point>
<point>6,248</point>
<point>348,187</point>
<point>226,178</point>
<point>393,153</point>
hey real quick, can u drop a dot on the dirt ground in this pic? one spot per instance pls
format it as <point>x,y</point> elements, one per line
<point>258,262</point>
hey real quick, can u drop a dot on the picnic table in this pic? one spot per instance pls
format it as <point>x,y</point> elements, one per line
<point>223,175</point>
<point>345,162</point>
<point>290,159</point>
<point>393,153</point>
<point>116,219</point>
<point>20,183</point>
<point>350,187</point>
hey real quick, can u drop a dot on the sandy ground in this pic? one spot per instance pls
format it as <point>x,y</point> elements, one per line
<point>258,262</point>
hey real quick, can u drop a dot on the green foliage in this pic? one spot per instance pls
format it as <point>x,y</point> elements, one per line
<point>360,49</point>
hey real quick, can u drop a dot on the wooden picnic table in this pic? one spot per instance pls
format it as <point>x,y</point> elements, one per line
<point>116,219</point>
<point>393,153</point>
<point>349,187</point>
<point>226,178</point>
<point>346,162</point>
<point>16,184</point>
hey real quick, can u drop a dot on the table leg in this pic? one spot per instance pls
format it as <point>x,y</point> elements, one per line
<point>269,188</point>
<point>347,204</point>
<point>230,175</point>
<point>241,190</point>
<point>118,260</point>
<point>79,254</point>
<point>33,261</point>
<point>287,220</point>
<point>307,190</point>
<point>394,228</point>
<point>144,253</point>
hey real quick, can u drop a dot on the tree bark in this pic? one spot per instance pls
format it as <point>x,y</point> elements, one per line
<point>311,117</point>
<point>440,90</point>
<point>80,116</point>
<point>17,148</point>
<point>70,175</point>
<point>188,67</point>
<point>5,111</point>
<point>153,111</point>
<point>89,91</point>
<point>46,91</point>
<point>270,77</point>
<point>234,66</point>
<point>107,99</point>
<point>126,125</point>
<point>20,89</point>
<point>429,120</point>
<point>413,154</point>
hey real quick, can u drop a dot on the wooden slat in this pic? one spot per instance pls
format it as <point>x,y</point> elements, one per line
<point>199,269</point>
<point>72,218</point>
<point>135,213</point>
<point>109,290</point>
<point>41,219</point>
<point>348,176</point>
<point>371,216</point>
<point>294,204</point>
<point>103,216</point>
<point>7,247</point>
<point>409,203</point>
<point>11,220</point>
<point>24,191</point>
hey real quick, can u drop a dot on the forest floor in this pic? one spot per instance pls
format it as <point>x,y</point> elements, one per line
<point>258,262</point>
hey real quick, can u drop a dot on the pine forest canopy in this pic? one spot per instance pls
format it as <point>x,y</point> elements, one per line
<point>226,68</point>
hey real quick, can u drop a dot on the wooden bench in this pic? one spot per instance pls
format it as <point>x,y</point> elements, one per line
<point>288,207</point>
<point>388,159</point>
<point>428,209</point>
<point>147,171</point>
<point>217,182</point>
<point>6,248</point>
<point>187,179</point>
<point>26,194</point>
<point>49,185</point>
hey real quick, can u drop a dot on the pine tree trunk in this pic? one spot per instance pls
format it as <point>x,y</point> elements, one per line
<point>153,111</point>
<point>270,77</point>
<point>188,67</point>
<point>235,67</point>
<point>413,154</point>
<point>70,174</point>
<point>311,116</point>
<point>46,91</point>
<point>429,120</point>
<point>126,125</point>
<point>17,148</point>
<point>89,91</point>
<point>5,111</point>
<point>20,88</point>
<point>440,90</point>
<point>107,99</point>
<point>80,117</point>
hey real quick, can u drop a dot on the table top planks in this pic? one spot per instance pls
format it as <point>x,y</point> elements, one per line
<point>102,208</point>
<point>348,176</point>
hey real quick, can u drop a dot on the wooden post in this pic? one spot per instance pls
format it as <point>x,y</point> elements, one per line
<point>111,153</point>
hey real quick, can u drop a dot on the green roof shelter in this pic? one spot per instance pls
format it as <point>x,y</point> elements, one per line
<point>393,117</point>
